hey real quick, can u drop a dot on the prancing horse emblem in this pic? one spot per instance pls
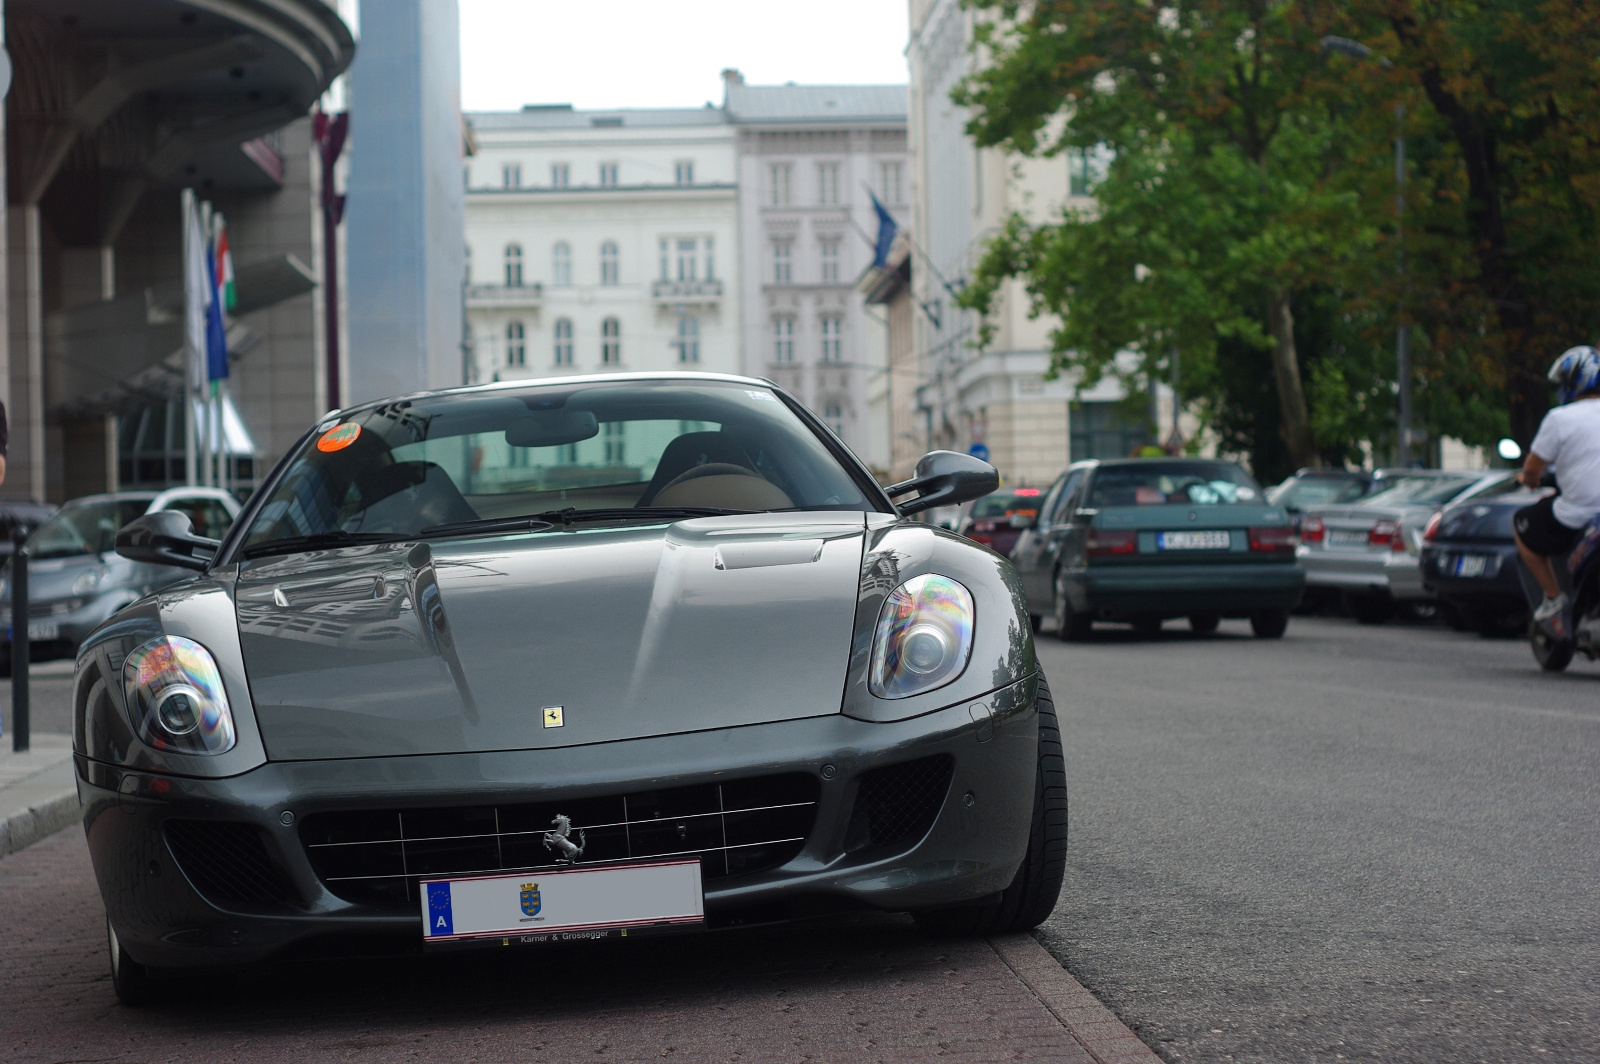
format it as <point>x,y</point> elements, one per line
<point>560,840</point>
<point>530,899</point>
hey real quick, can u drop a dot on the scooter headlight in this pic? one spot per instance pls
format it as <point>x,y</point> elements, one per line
<point>176,699</point>
<point>923,639</point>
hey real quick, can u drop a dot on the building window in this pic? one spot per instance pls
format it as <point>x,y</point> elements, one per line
<point>561,264</point>
<point>782,184</point>
<point>830,260</point>
<point>511,175</point>
<point>832,339</point>
<point>827,182</point>
<point>686,259</point>
<point>833,414</point>
<point>610,271</point>
<point>666,247</point>
<point>1102,430</point>
<point>513,265</point>
<point>783,339</point>
<point>711,274</point>
<point>781,258</point>
<point>890,176</point>
<point>563,348</point>
<point>466,265</point>
<point>560,175</point>
<point>608,175</point>
<point>613,433</point>
<point>688,343</point>
<point>611,342</point>
<point>516,348</point>
<point>683,172</point>
<point>1086,168</point>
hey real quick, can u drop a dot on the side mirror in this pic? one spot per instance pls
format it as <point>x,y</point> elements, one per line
<point>165,537</point>
<point>1021,521</point>
<point>945,478</point>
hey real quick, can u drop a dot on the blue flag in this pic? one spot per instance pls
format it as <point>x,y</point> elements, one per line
<point>216,332</point>
<point>887,228</point>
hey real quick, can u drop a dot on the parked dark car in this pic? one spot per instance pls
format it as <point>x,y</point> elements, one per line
<point>1140,540</point>
<point>16,511</point>
<point>988,520</point>
<point>1469,560</point>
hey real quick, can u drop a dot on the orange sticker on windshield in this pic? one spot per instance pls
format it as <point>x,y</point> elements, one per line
<point>339,437</point>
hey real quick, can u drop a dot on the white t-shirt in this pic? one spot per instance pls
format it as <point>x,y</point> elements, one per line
<point>1569,440</point>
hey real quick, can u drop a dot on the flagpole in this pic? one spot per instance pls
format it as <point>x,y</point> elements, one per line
<point>190,428</point>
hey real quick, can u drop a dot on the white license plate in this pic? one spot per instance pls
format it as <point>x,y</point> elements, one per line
<point>39,631</point>
<point>1471,565</point>
<point>570,902</point>
<point>1192,541</point>
<point>1345,538</point>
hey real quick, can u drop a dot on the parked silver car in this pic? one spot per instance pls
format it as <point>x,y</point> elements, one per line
<point>76,580</point>
<point>1368,551</point>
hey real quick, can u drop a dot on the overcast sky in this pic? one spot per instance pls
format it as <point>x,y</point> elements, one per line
<point>669,53</point>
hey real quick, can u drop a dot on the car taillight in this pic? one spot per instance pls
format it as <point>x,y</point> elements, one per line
<point>1275,538</point>
<point>1382,534</point>
<point>1312,529</point>
<point>1431,533</point>
<point>1103,542</point>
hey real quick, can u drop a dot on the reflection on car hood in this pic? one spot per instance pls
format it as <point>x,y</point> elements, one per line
<point>462,645</point>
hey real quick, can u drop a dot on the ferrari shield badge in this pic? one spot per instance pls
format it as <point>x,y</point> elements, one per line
<point>530,899</point>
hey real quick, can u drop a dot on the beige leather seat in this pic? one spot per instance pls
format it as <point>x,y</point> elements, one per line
<point>724,486</point>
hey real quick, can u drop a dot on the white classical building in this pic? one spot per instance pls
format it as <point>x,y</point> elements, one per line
<point>601,240</point>
<point>810,159</point>
<point>961,195</point>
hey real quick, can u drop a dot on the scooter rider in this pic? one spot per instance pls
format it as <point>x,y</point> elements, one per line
<point>1569,440</point>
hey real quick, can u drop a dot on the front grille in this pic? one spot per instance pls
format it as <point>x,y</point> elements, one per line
<point>226,862</point>
<point>898,803</point>
<point>736,828</point>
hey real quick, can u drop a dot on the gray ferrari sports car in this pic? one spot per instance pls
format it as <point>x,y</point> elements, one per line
<point>575,658</point>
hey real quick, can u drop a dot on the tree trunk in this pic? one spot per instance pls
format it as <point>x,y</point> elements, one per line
<point>1294,419</point>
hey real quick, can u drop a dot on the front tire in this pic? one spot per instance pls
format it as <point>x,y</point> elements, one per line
<point>1032,895</point>
<point>1269,624</point>
<point>1071,626</point>
<point>130,979</point>
<point>1551,655</point>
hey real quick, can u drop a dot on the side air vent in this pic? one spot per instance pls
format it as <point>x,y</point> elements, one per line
<point>226,862</point>
<point>897,804</point>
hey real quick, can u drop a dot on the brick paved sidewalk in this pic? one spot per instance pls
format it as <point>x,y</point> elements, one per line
<point>870,990</point>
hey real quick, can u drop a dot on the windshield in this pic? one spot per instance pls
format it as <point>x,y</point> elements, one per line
<point>1305,492</point>
<point>1005,503</point>
<point>84,528</point>
<point>431,466</point>
<point>1161,483</point>
<point>1421,491</point>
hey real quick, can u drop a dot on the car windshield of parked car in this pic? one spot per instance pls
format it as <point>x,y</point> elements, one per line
<point>1005,503</point>
<point>1421,491</point>
<point>441,464</point>
<point>1181,483</point>
<point>84,528</point>
<point>1304,492</point>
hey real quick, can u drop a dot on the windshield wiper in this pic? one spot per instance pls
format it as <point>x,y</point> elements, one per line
<point>336,538</point>
<point>488,526</point>
<point>543,522</point>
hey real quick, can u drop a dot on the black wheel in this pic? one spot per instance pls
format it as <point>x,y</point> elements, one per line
<point>130,979</point>
<point>1031,897</point>
<point>1551,655</point>
<point>1269,624</point>
<point>1459,618</point>
<point>1071,626</point>
<point>1368,609</point>
<point>1204,623</point>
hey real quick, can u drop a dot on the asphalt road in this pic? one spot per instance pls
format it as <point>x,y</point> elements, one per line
<point>1352,844</point>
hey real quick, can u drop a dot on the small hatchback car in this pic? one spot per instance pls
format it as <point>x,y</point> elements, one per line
<point>1140,540</point>
<point>576,658</point>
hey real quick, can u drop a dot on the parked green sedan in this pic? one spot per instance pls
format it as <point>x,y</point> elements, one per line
<point>1139,540</point>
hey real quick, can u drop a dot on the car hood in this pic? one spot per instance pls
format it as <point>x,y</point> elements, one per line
<point>463,645</point>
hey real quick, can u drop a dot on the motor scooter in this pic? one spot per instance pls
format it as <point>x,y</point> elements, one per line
<point>1579,574</point>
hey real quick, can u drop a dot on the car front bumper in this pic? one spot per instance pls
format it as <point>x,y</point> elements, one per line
<point>1392,573</point>
<point>1130,590</point>
<point>166,918</point>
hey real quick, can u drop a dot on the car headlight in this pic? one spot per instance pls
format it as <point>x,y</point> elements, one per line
<point>924,637</point>
<point>176,698</point>
<point>87,581</point>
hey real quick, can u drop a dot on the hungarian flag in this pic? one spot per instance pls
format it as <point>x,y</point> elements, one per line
<point>225,267</point>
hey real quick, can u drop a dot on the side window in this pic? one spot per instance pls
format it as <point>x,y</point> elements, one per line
<point>1072,497</point>
<point>1063,502</point>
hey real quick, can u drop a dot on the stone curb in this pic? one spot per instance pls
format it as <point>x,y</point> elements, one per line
<point>1095,1027</point>
<point>35,822</point>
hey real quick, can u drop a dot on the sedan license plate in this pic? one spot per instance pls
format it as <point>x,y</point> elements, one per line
<point>570,903</point>
<point>1474,565</point>
<point>1346,538</point>
<point>1192,540</point>
<point>39,631</point>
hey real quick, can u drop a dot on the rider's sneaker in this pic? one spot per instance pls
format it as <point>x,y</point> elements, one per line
<point>1552,616</point>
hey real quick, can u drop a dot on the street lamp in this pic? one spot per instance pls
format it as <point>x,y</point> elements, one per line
<point>1402,336</point>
